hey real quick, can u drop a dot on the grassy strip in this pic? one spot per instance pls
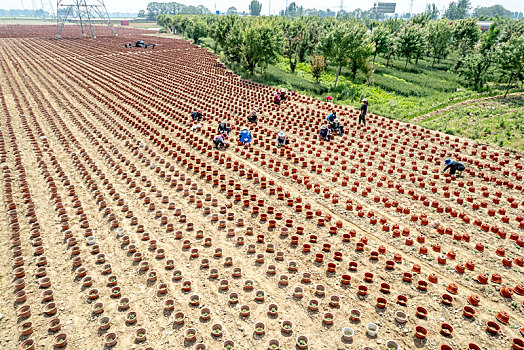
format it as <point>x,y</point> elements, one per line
<point>496,121</point>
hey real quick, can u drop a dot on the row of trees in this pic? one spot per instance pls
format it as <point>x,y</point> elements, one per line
<point>456,10</point>
<point>256,42</point>
<point>155,9</point>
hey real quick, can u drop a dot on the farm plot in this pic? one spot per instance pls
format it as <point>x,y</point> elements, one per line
<point>122,228</point>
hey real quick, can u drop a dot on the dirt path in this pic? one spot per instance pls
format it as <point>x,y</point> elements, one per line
<point>463,103</point>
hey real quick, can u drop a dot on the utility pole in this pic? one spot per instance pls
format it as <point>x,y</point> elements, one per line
<point>341,5</point>
<point>285,11</point>
<point>410,8</point>
<point>83,10</point>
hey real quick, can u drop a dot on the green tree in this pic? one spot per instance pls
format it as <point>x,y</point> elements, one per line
<point>439,39</point>
<point>491,11</point>
<point>458,10</point>
<point>220,29</point>
<point>411,42</point>
<point>234,41</point>
<point>141,14</point>
<point>348,44</point>
<point>196,29</point>
<point>383,40</point>
<point>511,60</point>
<point>318,66</point>
<point>295,34</point>
<point>466,34</point>
<point>232,10</point>
<point>476,66</point>
<point>255,7</point>
<point>260,46</point>
<point>310,39</point>
<point>510,29</point>
<point>293,10</point>
<point>432,11</point>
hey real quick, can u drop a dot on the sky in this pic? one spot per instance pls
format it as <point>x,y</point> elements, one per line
<point>276,6</point>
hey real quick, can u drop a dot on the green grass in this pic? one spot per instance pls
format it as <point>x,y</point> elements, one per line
<point>498,121</point>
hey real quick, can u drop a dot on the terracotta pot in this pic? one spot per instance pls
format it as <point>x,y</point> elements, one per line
<point>24,311</point>
<point>421,312</point>
<point>492,327</point>
<point>140,334</point>
<point>110,339</point>
<point>503,317</point>
<point>54,325</point>
<point>446,329</point>
<point>61,340</point>
<point>104,322</point>
<point>27,344</point>
<point>179,318</point>
<point>302,342</point>
<point>190,334</point>
<point>26,328</point>
<point>421,332</point>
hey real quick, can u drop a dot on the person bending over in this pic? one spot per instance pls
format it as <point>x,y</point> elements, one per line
<point>454,167</point>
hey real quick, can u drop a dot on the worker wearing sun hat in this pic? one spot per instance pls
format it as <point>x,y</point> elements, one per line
<point>453,167</point>
<point>363,112</point>
<point>281,139</point>
<point>252,117</point>
<point>245,136</point>
<point>223,128</point>
<point>197,115</point>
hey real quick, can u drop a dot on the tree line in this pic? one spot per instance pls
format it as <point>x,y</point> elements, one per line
<point>255,42</point>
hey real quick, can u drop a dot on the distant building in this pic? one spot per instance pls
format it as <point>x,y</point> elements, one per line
<point>484,25</point>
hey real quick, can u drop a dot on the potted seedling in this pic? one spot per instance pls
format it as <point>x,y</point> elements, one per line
<point>205,313</point>
<point>313,305</point>
<point>104,322</point>
<point>190,334</point>
<point>140,334</point>
<point>131,317</point>
<point>287,327</point>
<point>260,328</point>
<point>61,340</point>
<point>347,333</point>
<point>228,345</point>
<point>123,303</point>
<point>110,339</point>
<point>216,330</point>
<point>179,318</point>
<point>302,342</point>
<point>245,310</point>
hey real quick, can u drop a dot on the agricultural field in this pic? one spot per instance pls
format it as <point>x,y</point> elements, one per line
<point>122,228</point>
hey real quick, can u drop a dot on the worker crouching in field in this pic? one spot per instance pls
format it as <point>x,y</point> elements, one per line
<point>220,141</point>
<point>252,117</point>
<point>283,95</point>
<point>336,128</point>
<point>245,136</point>
<point>276,98</point>
<point>324,133</point>
<point>282,140</point>
<point>197,115</point>
<point>454,167</point>
<point>223,128</point>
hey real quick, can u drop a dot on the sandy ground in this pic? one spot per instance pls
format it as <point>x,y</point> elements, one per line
<point>104,131</point>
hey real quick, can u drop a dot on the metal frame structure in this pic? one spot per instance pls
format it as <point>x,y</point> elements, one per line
<point>83,11</point>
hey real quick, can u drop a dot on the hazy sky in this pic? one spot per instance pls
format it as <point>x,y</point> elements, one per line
<point>276,6</point>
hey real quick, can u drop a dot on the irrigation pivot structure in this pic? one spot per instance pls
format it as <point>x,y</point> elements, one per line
<point>85,12</point>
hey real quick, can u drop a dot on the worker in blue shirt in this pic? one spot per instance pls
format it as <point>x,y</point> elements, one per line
<point>453,167</point>
<point>245,136</point>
